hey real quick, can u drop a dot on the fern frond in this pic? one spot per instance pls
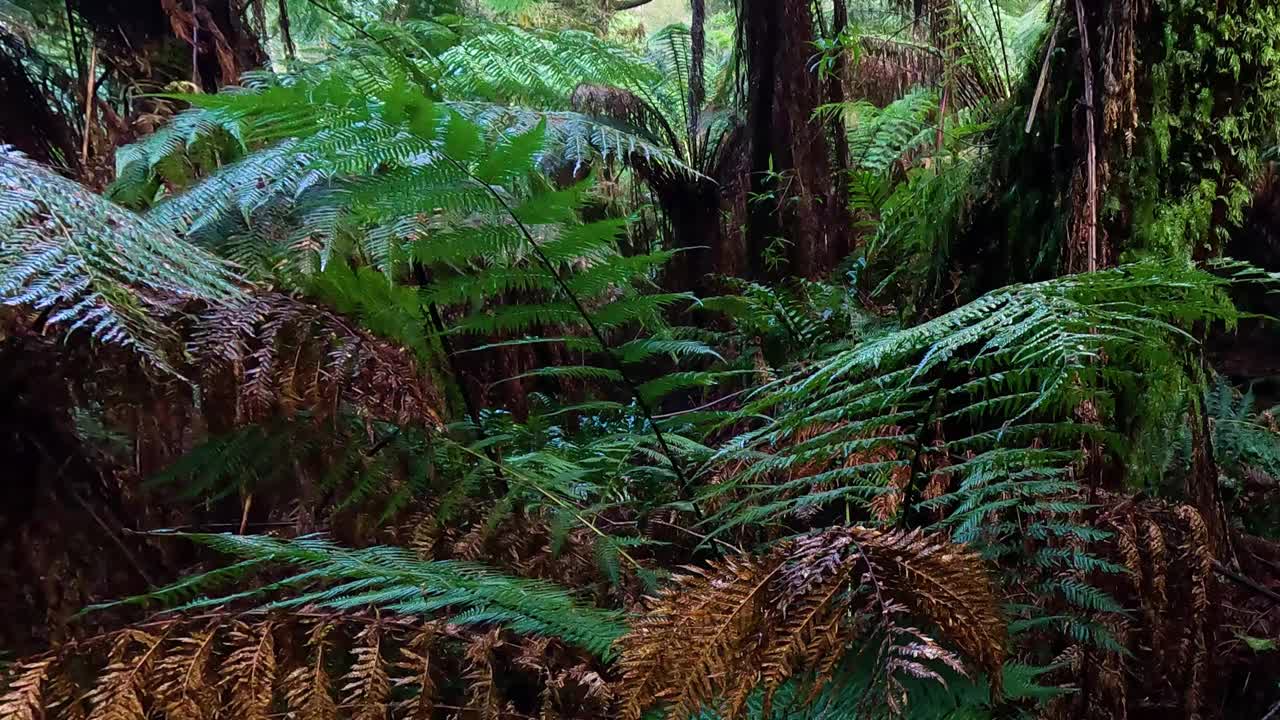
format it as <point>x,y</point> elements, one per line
<point>367,685</point>
<point>185,689</point>
<point>396,580</point>
<point>24,698</point>
<point>118,693</point>
<point>748,622</point>
<point>275,356</point>
<point>249,671</point>
<point>92,266</point>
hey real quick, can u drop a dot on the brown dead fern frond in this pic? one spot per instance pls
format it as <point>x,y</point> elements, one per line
<point>418,672</point>
<point>1155,600</point>
<point>228,665</point>
<point>276,356</point>
<point>123,683</point>
<point>25,699</point>
<point>249,672</point>
<point>719,633</point>
<point>483,694</point>
<point>308,689</point>
<point>367,686</point>
<point>1194,648</point>
<point>184,688</point>
<point>64,697</point>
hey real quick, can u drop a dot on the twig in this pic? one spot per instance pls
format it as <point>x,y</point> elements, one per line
<point>90,92</point>
<point>195,45</point>
<point>124,549</point>
<point>382,443</point>
<point>1004,51</point>
<point>1092,200</point>
<point>704,406</point>
<point>212,527</point>
<point>1243,581</point>
<point>700,536</point>
<point>75,38</point>
<point>244,516</point>
<point>1044,74</point>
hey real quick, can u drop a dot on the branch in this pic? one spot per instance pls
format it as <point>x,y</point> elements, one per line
<point>1243,581</point>
<point>629,5</point>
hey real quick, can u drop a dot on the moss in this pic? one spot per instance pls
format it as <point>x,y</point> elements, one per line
<point>1214,94</point>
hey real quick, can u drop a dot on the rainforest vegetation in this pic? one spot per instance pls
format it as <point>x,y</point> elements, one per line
<point>639,359</point>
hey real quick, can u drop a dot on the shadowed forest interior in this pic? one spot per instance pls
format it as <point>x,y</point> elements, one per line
<point>639,359</point>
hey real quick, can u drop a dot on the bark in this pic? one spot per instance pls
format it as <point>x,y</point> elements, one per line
<point>158,42</point>
<point>794,184</point>
<point>697,79</point>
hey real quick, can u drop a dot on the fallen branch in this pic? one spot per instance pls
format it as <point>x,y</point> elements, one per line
<point>1249,583</point>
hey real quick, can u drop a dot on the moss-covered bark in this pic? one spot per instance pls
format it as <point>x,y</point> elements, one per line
<point>1185,93</point>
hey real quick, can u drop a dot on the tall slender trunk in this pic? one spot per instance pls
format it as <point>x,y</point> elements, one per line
<point>697,76</point>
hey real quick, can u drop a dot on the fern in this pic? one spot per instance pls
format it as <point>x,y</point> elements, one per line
<point>88,265</point>
<point>973,415</point>
<point>717,634</point>
<point>397,581</point>
<point>297,663</point>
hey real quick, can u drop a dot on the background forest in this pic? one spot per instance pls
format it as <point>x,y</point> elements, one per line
<point>715,359</point>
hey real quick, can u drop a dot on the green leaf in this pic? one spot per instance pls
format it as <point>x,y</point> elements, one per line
<point>512,158</point>
<point>462,140</point>
<point>1257,644</point>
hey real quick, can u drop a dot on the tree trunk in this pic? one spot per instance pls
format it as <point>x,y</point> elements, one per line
<point>29,120</point>
<point>796,215</point>
<point>162,41</point>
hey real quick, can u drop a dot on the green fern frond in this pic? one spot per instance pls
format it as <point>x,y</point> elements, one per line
<point>839,430</point>
<point>397,581</point>
<point>90,265</point>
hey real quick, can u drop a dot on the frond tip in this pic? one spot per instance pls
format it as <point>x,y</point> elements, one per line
<point>719,634</point>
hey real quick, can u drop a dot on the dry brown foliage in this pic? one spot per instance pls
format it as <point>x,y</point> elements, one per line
<point>719,633</point>
<point>285,665</point>
<point>1183,634</point>
<point>276,356</point>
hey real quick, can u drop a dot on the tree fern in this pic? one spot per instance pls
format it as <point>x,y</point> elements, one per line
<point>986,396</point>
<point>748,625</point>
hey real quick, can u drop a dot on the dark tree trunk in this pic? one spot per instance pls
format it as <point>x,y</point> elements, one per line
<point>697,73</point>
<point>29,121</point>
<point>795,198</point>
<point>152,42</point>
<point>834,94</point>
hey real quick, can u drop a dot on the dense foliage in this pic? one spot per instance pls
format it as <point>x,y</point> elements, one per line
<point>510,359</point>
